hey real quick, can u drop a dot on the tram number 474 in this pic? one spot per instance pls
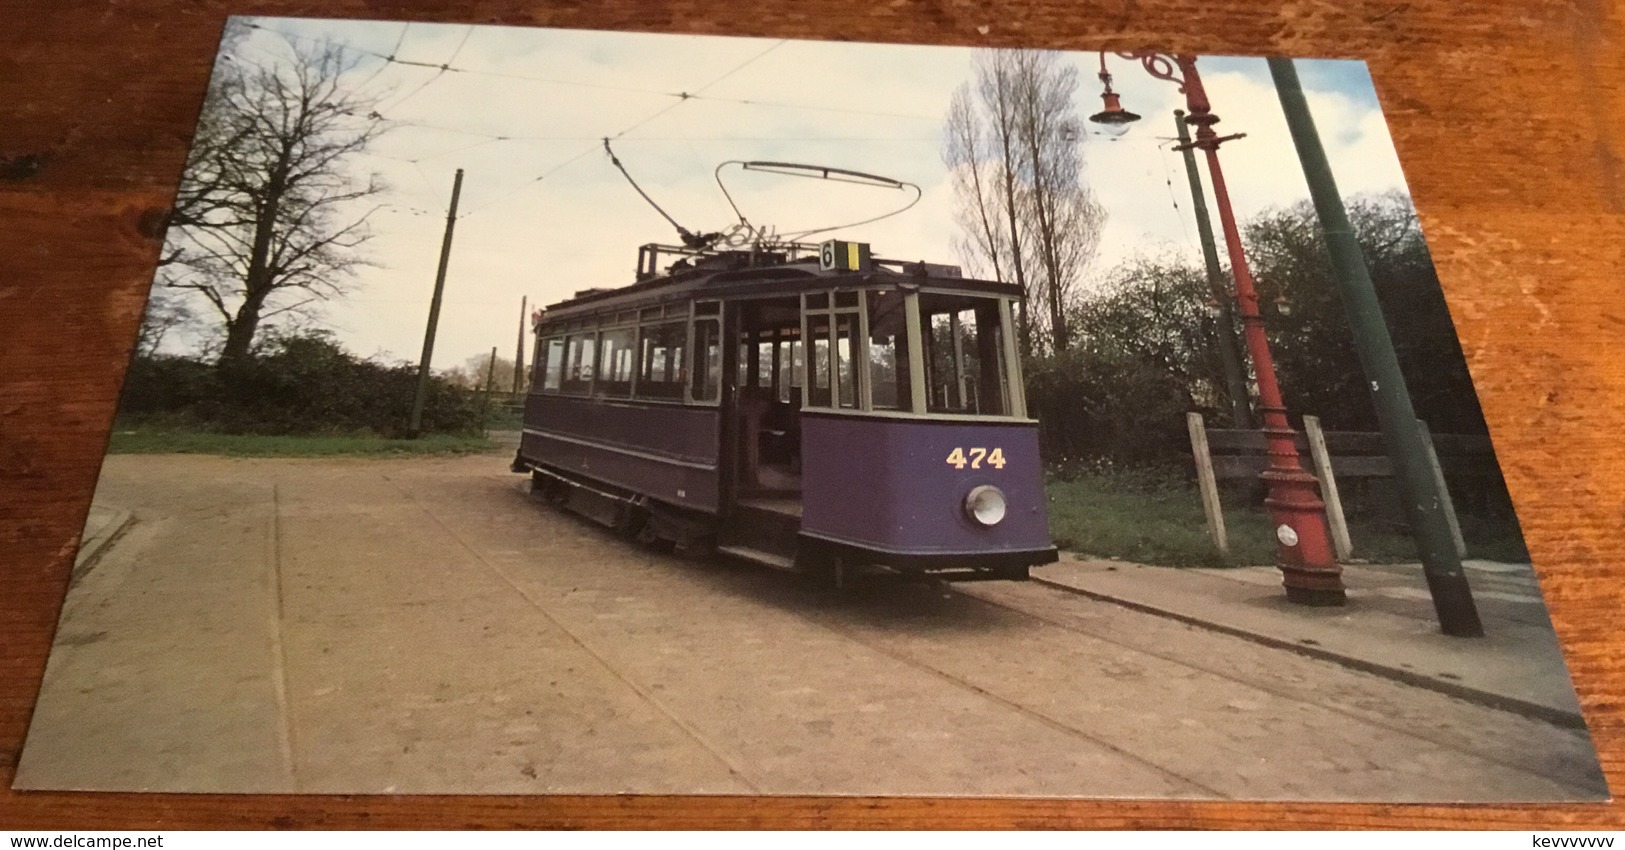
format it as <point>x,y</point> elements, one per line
<point>959,457</point>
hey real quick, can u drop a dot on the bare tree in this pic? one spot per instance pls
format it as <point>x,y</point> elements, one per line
<point>981,217</point>
<point>266,219</point>
<point>166,313</point>
<point>1018,177</point>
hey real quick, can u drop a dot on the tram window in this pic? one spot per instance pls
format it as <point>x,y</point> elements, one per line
<point>888,352</point>
<point>708,349</point>
<point>764,363</point>
<point>818,389</point>
<point>615,363</point>
<point>846,333</point>
<point>818,301</point>
<point>964,356</point>
<point>661,355</point>
<point>707,308</point>
<point>578,363</point>
<point>790,367</point>
<point>846,299</point>
<point>552,365</point>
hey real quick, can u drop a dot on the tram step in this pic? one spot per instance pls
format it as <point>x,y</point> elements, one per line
<point>758,556</point>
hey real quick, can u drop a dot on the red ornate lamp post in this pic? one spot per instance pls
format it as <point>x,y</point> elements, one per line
<point>1304,552</point>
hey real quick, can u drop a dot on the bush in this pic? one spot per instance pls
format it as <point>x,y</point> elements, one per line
<point>304,384</point>
<point>1093,407</point>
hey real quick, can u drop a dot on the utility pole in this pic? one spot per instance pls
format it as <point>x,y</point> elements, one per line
<point>1229,353</point>
<point>519,353</point>
<point>416,425</point>
<point>1452,598</point>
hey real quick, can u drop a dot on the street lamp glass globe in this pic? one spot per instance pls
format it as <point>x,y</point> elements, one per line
<point>1114,119</point>
<point>1114,129</point>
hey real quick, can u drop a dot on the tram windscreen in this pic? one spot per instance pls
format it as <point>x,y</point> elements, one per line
<point>888,350</point>
<point>964,355</point>
<point>552,365</point>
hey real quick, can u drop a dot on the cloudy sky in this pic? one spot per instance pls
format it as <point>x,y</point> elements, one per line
<point>544,212</point>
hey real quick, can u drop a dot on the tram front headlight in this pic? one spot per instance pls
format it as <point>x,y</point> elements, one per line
<point>986,505</point>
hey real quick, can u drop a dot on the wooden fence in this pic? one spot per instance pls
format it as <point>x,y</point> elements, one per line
<point>1230,455</point>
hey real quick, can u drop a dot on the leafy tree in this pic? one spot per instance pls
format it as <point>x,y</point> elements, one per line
<point>266,219</point>
<point>472,373</point>
<point>1156,311</point>
<point>1147,350</point>
<point>1314,347</point>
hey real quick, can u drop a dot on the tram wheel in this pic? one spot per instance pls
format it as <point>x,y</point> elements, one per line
<point>649,538</point>
<point>832,571</point>
<point>554,491</point>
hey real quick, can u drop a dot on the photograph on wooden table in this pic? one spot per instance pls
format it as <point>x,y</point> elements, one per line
<point>529,411</point>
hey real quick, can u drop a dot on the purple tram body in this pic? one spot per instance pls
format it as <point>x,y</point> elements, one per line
<point>666,452</point>
<point>799,412</point>
<point>885,485</point>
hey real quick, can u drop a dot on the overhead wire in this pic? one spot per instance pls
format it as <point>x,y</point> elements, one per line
<point>443,69</point>
<point>391,57</point>
<point>694,95</point>
<point>555,169</point>
<point>1168,178</point>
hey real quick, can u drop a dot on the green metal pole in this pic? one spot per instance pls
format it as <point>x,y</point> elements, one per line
<point>1229,352</point>
<point>422,395</point>
<point>1452,598</point>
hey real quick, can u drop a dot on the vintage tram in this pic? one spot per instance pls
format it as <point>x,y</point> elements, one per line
<point>817,411</point>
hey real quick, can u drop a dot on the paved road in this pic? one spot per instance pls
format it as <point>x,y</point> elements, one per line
<point>423,626</point>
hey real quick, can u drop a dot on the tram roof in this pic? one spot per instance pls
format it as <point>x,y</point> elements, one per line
<point>737,274</point>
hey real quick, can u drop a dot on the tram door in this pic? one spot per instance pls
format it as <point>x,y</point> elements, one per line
<point>767,395</point>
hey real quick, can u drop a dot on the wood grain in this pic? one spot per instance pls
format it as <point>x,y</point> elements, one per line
<point>1504,113</point>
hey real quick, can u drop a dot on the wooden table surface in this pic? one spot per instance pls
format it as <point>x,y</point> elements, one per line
<point>1504,112</point>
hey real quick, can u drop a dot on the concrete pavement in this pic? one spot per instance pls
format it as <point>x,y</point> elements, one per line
<point>1388,628</point>
<point>103,525</point>
<point>422,626</point>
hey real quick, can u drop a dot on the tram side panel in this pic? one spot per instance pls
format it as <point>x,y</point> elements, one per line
<point>898,487</point>
<point>665,452</point>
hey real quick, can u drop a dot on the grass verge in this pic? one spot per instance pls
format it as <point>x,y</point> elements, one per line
<point>1156,518</point>
<point>262,445</point>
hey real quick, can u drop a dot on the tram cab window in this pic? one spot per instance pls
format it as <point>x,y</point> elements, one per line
<point>964,355</point>
<point>832,333</point>
<point>660,355</point>
<point>551,364</point>
<point>818,389</point>
<point>615,359</point>
<point>707,372</point>
<point>579,360</point>
<point>888,351</point>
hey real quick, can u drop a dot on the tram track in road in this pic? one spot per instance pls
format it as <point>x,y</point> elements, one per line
<point>687,728</point>
<point>1489,754</point>
<point>887,624</point>
<point>873,645</point>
